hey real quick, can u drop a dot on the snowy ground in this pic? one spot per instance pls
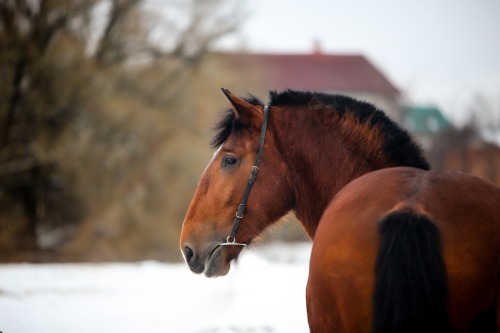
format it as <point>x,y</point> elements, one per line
<point>264,292</point>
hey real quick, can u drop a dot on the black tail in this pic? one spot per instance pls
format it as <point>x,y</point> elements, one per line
<point>411,289</point>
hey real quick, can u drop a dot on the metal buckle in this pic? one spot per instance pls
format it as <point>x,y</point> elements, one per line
<point>233,242</point>
<point>253,174</point>
<point>240,211</point>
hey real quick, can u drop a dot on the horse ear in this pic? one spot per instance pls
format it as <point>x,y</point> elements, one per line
<point>242,109</point>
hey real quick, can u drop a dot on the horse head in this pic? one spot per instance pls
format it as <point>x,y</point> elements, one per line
<point>208,230</point>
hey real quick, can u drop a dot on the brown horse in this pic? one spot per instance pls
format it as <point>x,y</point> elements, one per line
<point>396,248</point>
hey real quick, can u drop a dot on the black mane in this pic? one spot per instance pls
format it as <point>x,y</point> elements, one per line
<point>398,145</point>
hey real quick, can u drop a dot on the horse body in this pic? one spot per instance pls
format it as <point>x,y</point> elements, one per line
<point>464,208</point>
<point>320,160</point>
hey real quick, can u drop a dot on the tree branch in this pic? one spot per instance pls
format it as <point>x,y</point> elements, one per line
<point>118,12</point>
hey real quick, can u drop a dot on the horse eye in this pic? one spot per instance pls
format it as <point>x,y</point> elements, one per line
<point>229,161</point>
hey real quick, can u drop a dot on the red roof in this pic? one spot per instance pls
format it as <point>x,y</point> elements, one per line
<point>320,72</point>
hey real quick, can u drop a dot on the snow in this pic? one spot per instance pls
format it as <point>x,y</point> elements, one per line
<point>263,292</point>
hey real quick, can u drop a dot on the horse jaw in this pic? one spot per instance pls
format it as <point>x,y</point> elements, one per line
<point>217,263</point>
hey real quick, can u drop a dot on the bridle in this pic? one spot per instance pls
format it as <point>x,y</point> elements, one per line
<point>231,239</point>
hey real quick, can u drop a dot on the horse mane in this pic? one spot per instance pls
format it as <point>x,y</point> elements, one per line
<point>398,146</point>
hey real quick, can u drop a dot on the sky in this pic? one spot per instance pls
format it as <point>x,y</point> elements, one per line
<point>438,52</point>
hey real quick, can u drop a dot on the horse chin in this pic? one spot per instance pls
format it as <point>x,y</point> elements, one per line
<point>217,263</point>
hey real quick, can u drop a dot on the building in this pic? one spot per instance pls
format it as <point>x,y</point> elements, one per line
<point>352,75</point>
<point>424,122</point>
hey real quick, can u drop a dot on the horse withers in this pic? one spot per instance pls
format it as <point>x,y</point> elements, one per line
<point>396,247</point>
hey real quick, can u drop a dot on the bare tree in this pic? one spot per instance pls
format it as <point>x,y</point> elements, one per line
<point>486,121</point>
<point>61,99</point>
<point>32,115</point>
<point>473,148</point>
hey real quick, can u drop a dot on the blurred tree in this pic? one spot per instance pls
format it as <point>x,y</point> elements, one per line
<point>473,148</point>
<point>80,158</point>
<point>486,120</point>
<point>36,104</point>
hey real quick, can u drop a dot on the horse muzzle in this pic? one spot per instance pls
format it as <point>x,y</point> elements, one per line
<point>213,261</point>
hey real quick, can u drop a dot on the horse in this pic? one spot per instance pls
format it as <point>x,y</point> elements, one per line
<point>397,247</point>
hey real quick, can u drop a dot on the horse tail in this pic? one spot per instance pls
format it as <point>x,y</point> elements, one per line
<point>411,291</point>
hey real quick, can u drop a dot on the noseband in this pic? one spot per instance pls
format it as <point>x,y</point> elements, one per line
<point>231,239</point>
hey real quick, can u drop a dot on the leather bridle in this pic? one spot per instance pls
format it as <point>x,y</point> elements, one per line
<point>231,239</point>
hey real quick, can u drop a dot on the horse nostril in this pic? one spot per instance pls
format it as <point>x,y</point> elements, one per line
<point>188,253</point>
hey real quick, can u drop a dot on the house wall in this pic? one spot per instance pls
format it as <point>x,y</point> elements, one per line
<point>257,76</point>
<point>480,159</point>
<point>483,162</point>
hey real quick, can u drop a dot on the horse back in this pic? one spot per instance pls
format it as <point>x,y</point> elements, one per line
<point>463,209</point>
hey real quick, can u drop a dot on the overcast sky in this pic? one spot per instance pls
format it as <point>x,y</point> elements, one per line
<point>440,52</point>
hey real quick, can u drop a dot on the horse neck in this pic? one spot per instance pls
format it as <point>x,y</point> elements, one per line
<point>323,159</point>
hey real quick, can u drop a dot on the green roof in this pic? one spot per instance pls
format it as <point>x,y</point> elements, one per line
<point>424,119</point>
